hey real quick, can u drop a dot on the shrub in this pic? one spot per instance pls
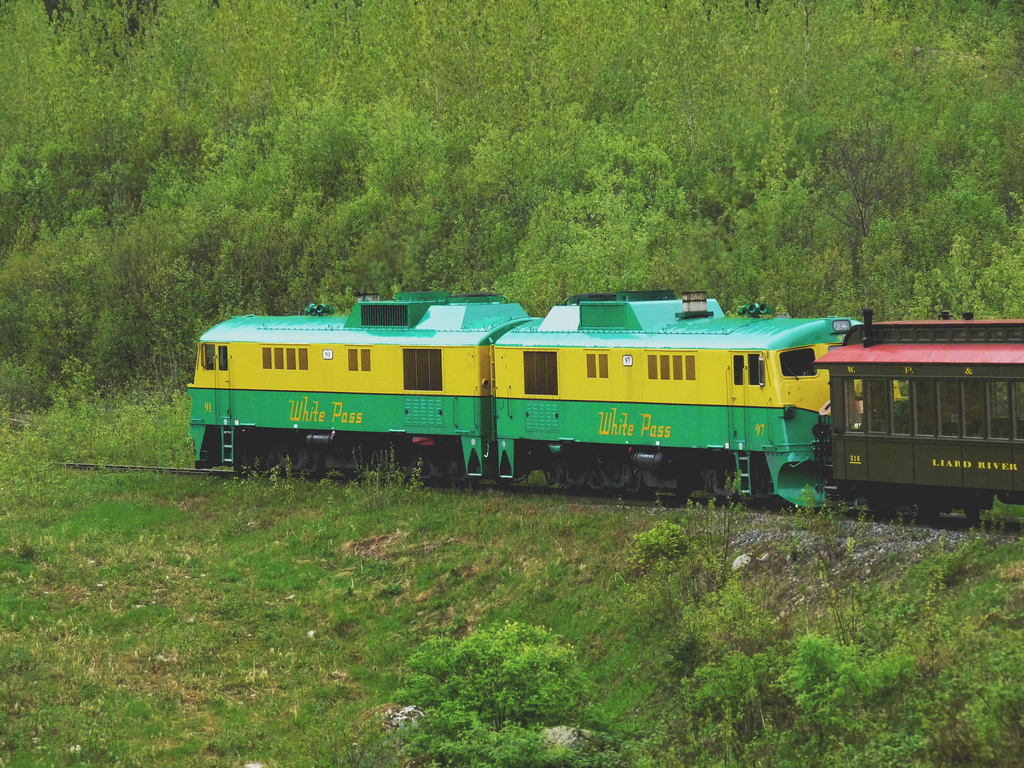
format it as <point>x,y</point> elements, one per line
<point>487,696</point>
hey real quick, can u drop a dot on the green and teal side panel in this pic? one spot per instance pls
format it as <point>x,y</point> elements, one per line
<point>784,436</point>
<point>466,418</point>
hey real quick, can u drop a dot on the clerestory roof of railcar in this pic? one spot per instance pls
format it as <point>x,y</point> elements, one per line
<point>931,342</point>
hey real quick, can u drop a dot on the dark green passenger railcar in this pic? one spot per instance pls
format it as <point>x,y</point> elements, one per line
<point>929,413</point>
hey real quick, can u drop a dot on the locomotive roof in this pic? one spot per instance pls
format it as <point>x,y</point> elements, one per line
<point>661,324</point>
<point>437,319</point>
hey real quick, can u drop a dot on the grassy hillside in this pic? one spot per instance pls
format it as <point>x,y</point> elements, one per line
<point>148,619</point>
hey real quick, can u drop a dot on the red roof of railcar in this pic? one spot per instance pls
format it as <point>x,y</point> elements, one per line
<point>921,354</point>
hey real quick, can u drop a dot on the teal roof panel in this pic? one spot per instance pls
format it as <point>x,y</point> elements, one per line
<point>471,322</point>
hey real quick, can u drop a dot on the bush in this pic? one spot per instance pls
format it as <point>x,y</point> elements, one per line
<point>488,696</point>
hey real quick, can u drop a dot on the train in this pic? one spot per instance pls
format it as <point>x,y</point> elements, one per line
<point>631,392</point>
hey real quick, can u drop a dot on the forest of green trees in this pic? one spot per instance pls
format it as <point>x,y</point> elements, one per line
<point>166,164</point>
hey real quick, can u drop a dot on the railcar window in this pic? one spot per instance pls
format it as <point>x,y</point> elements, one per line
<point>901,413</point>
<point>924,408</point>
<point>798,362</point>
<point>974,408</point>
<point>737,370</point>
<point>222,354</point>
<point>423,369</point>
<point>949,408</point>
<point>540,373</point>
<point>691,367</point>
<point>1018,408</point>
<point>268,358</point>
<point>364,359</point>
<point>279,357</point>
<point>290,357</point>
<point>854,391</point>
<point>877,405</point>
<point>999,410</point>
<point>303,359</point>
<point>209,357</point>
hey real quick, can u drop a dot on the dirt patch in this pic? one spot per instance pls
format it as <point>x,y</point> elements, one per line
<point>376,547</point>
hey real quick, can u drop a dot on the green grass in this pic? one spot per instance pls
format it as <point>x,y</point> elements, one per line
<point>148,620</point>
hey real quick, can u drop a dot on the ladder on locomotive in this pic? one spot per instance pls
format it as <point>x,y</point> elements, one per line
<point>227,445</point>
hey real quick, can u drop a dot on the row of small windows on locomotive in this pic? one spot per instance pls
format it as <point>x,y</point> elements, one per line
<point>540,369</point>
<point>285,358</point>
<point>658,367</point>
<point>297,358</point>
<point>214,357</point>
<point>935,407</point>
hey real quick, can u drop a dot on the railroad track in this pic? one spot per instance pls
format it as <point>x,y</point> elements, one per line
<point>1011,526</point>
<point>218,473</point>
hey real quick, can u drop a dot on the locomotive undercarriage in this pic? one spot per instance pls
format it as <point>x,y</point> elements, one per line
<point>632,470</point>
<point>318,454</point>
<point>643,469</point>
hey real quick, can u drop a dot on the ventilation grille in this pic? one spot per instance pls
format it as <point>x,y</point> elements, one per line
<point>384,315</point>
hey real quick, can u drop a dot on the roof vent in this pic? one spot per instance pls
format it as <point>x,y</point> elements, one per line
<point>384,315</point>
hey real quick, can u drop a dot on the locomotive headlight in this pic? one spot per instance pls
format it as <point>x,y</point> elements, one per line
<point>841,326</point>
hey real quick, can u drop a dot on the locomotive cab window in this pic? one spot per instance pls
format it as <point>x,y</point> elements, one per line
<point>798,362</point>
<point>754,367</point>
<point>214,357</point>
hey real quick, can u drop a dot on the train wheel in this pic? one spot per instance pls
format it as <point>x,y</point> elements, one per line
<point>271,459</point>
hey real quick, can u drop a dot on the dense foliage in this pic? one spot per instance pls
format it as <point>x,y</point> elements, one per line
<point>165,165</point>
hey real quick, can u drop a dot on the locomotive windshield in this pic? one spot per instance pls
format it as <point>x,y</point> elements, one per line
<point>798,362</point>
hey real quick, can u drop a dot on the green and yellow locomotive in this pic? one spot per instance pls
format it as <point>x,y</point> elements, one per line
<point>625,391</point>
<point>319,393</point>
<point>643,391</point>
